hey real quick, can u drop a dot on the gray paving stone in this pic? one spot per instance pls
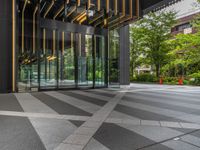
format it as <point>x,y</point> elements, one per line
<point>60,106</point>
<point>100,116</point>
<point>166,96</point>
<point>85,97</point>
<point>197,134</point>
<point>162,102</point>
<point>32,104</point>
<point>154,133</point>
<point>76,123</point>
<point>17,133</point>
<point>8,102</point>
<point>115,137</point>
<point>83,105</point>
<point>142,114</point>
<point>191,139</point>
<point>123,133</point>
<point>52,131</point>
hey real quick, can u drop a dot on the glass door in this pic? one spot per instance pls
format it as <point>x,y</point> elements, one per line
<point>114,46</point>
<point>66,60</point>
<point>48,60</point>
<point>27,75</point>
<point>85,61</point>
<point>100,61</point>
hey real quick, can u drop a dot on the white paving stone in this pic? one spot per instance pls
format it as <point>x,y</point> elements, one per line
<point>170,124</point>
<point>85,130</point>
<point>95,145</point>
<point>83,105</point>
<point>191,139</point>
<point>150,122</point>
<point>91,124</point>
<point>113,120</point>
<point>32,104</point>
<point>69,147</point>
<point>100,97</point>
<point>100,116</point>
<point>77,139</point>
<point>131,122</point>
<point>190,125</point>
<point>179,145</point>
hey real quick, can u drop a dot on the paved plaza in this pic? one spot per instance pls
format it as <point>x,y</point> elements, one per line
<point>139,117</point>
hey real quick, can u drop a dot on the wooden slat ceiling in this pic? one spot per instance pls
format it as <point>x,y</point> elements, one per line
<point>98,13</point>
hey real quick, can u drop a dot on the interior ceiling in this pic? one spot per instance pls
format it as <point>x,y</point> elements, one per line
<point>97,13</point>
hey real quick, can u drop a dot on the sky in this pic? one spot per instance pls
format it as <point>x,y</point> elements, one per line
<point>185,8</point>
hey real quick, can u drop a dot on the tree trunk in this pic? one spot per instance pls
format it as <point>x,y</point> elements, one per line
<point>131,69</point>
<point>158,70</point>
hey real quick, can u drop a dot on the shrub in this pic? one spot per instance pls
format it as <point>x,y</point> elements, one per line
<point>170,80</point>
<point>145,78</point>
<point>195,78</point>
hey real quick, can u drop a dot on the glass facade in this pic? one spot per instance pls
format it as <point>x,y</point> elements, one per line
<point>55,58</point>
<point>114,58</point>
<point>85,61</point>
<point>60,44</point>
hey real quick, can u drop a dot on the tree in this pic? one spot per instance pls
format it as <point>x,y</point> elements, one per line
<point>136,48</point>
<point>154,31</point>
<point>188,48</point>
<point>188,45</point>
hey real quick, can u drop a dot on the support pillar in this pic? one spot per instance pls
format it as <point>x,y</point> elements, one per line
<point>124,56</point>
<point>7,57</point>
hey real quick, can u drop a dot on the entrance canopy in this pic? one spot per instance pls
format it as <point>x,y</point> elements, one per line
<point>97,13</point>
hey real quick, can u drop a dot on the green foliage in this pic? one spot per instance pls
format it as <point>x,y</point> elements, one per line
<point>170,80</point>
<point>149,38</point>
<point>172,57</point>
<point>195,78</point>
<point>195,75</point>
<point>145,77</point>
<point>186,52</point>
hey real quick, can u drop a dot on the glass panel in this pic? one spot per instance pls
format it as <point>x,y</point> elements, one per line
<point>27,43</point>
<point>28,76</point>
<point>114,74</point>
<point>99,61</point>
<point>48,63</point>
<point>85,61</point>
<point>66,60</point>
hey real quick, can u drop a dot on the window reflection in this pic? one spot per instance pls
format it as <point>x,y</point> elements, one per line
<point>85,61</point>
<point>66,60</point>
<point>99,61</point>
<point>48,60</point>
<point>54,58</point>
<point>114,58</point>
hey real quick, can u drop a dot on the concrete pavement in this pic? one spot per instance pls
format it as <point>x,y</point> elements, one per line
<point>143,116</point>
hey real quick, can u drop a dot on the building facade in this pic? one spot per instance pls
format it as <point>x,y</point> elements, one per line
<point>184,25</point>
<point>65,44</point>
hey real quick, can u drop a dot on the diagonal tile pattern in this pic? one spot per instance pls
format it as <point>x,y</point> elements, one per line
<point>146,117</point>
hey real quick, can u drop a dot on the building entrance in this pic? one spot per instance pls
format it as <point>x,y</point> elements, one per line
<point>63,60</point>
